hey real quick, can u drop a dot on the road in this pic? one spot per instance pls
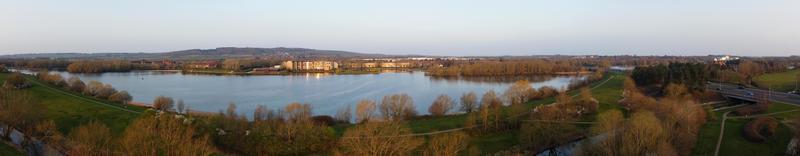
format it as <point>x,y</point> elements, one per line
<point>734,92</point>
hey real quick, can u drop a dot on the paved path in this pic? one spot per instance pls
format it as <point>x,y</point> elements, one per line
<point>721,133</point>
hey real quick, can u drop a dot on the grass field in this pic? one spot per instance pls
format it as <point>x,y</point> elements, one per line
<point>734,143</point>
<point>783,81</point>
<point>70,110</point>
<point>6,150</point>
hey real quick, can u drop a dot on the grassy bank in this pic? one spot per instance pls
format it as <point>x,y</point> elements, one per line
<point>783,81</point>
<point>70,110</point>
<point>734,143</point>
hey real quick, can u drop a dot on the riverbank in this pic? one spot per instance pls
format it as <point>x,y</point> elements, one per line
<point>70,110</point>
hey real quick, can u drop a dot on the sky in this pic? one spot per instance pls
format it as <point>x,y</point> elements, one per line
<point>429,27</point>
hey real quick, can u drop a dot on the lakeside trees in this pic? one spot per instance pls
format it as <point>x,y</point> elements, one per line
<point>121,97</point>
<point>365,110</point>
<point>397,107</point>
<point>514,67</point>
<point>163,103</point>
<point>99,66</point>
<point>469,102</point>
<point>441,105</point>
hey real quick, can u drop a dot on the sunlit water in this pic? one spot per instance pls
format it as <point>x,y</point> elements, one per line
<point>325,92</point>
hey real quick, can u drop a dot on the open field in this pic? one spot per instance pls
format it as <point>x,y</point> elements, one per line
<point>783,81</point>
<point>735,144</point>
<point>70,110</point>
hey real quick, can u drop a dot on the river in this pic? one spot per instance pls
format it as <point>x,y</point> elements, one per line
<point>324,92</point>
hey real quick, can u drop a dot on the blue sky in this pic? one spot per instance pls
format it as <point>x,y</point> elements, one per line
<point>433,27</point>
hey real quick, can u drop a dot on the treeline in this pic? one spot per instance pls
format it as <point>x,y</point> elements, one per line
<point>246,64</point>
<point>692,75</point>
<point>99,66</point>
<point>38,63</point>
<point>93,88</point>
<point>504,68</point>
<point>744,71</point>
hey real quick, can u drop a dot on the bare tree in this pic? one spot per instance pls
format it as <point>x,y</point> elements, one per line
<point>75,84</point>
<point>469,102</point>
<point>93,138</point>
<point>93,88</point>
<point>163,103</point>
<point>298,112</point>
<point>260,113</point>
<point>365,110</point>
<point>397,107</point>
<point>490,99</point>
<point>343,114</point>
<point>441,106</point>
<point>450,144</point>
<point>379,138</point>
<point>629,86</point>
<point>518,92</point>
<point>643,134</point>
<point>164,135</point>
<point>122,97</point>
<point>181,106</point>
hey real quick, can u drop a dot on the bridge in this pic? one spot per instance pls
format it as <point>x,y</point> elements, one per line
<point>753,94</point>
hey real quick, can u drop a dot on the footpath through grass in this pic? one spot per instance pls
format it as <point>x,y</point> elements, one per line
<point>783,81</point>
<point>734,143</point>
<point>70,110</point>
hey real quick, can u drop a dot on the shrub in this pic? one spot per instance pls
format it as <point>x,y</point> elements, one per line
<point>760,129</point>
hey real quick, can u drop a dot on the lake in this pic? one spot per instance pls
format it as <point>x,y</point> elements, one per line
<point>326,93</point>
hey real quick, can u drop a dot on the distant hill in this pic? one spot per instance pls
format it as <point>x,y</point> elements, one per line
<point>217,53</point>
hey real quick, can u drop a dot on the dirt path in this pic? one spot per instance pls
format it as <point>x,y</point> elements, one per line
<point>721,133</point>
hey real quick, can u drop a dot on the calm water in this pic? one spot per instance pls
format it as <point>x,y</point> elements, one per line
<point>325,92</point>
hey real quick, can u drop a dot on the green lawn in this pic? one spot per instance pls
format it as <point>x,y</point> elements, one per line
<point>70,110</point>
<point>783,81</point>
<point>734,143</point>
<point>6,150</point>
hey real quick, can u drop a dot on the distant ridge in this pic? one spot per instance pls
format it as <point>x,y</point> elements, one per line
<point>216,53</point>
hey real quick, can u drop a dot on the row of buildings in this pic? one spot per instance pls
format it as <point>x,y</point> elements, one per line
<point>330,65</point>
<point>310,65</point>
